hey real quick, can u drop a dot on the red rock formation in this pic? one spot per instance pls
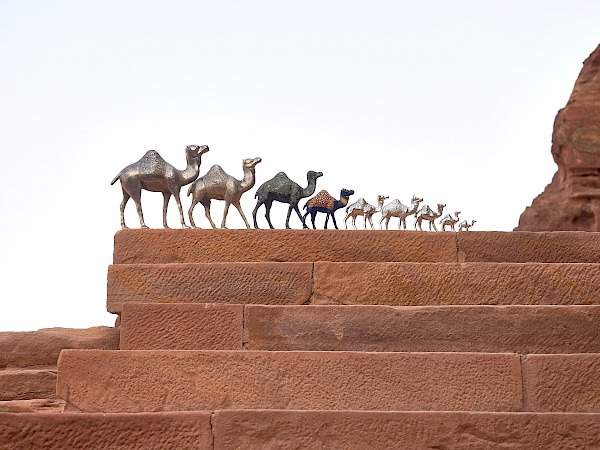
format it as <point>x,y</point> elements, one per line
<point>572,200</point>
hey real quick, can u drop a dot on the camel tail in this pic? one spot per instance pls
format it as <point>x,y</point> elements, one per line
<point>190,189</point>
<point>116,178</point>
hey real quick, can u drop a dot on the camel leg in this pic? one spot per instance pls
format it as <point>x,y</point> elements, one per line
<point>295,206</point>
<point>206,203</point>
<point>191,211</point>
<point>268,205</point>
<point>126,198</point>
<point>304,220</point>
<point>346,221</point>
<point>166,198</point>
<point>225,211</point>
<point>258,204</point>
<point>239,208</point>
<point>333,218</point>
<point>370,222</point>
<point>179,207</point>
<point>313,215</point>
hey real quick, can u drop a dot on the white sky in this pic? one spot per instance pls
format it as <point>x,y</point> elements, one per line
<point>453,101</point>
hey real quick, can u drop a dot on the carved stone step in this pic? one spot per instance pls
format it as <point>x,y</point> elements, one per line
<point>144,381</point>
<point>25,384</point>
<point>395,284</point>
<point>489,329</point>
<point>36,405</point>
<point>194,246</point>
<point>68,431</point>
<point>349,430</point>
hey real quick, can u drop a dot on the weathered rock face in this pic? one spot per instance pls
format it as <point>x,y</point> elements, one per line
<point>572,200</point>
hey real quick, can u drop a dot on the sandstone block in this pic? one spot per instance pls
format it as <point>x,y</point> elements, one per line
<point>144,381</point>
<point>264,283</point>
<point>23,384</point>
<point>490,329</point>
<point>159,246</point>
<point>179,326</point>
<point>567,383</point>
<point>36,405</point>
<point>69,431</point>
<point>41,348</point>
<point>348,430</point>
<point>413,284</point>
<point>522,247</point>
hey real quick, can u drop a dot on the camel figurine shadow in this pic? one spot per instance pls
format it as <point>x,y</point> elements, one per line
<point>325,203</point>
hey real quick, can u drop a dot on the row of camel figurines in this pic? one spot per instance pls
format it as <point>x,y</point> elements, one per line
<point>395,208</point>
<point>153,173</point>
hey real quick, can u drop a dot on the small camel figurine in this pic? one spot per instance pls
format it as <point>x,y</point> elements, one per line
<point>464,225</point>
<point>448,220</point>
<point>281,189</point>
<point>323,202</point>
<point>395,208</point>
<point>362,208</point>
<point>154,174</point>
<point>217,185</point>
<point>426,213</point>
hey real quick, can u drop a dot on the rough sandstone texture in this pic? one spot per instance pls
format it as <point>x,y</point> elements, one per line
<point>69,431</point>
<point>41,348</point>
<point>523,247</point>
<point>138,246</point>
<point>24,384</point>
<point>358,430</point>
<point>572,200</point>
<point>414,284</point>
<point>158,246</point>
<point>490,329</point>
<point>180,326</point>
<point>146,381</point>
<point>566,383</point>
<point>263,283</point>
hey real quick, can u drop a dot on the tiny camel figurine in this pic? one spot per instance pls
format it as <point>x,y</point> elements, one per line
<point>426,213</point>
<point>217,185</point>
<point>281,189</point>
<point>324,202</point>
<point>464,225</point>
<point>448,220</point>
<point>362,208</point>
<point>154,174</point>
<point>395,208</point>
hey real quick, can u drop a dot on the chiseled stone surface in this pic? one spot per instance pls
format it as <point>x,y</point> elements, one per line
<point>413,284</point>
<point>572,200</point>
<point>180,326</point>
<point>144,381</point>
<point>23,384</point>
<point>567,383</point>
<point>263,283</point>
<point>348,430</point>
<point>36,405</point>
<point>155,246</point>
<point>70,431</point>
<point>41,348</point>
<point>490,329</point>
<point>522,247</point>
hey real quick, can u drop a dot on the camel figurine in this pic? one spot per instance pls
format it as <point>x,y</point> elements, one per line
<point>464,225</point>
<point>426,213</point>
<point>154,174</point>
<point>217,185</point>
<point>448,220</point>
<point>395,208</point>
<point>362,208</point>
<point>281,189</point>
<point>323,202</point>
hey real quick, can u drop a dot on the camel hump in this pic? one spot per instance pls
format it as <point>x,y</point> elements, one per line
<point>322,200</point>
<point>215,170</point>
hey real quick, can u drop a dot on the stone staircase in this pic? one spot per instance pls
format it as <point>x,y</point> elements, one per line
<point>337,339</point>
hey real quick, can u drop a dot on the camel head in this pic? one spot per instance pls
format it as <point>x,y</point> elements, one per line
<point>312,175</point>
<point>194,152</point>
<point>381,199</point>
<point>416,199</point>
<point>250,163</point>
<point>456,213</point>
<point>441,207</point>
<point>346,193</point>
